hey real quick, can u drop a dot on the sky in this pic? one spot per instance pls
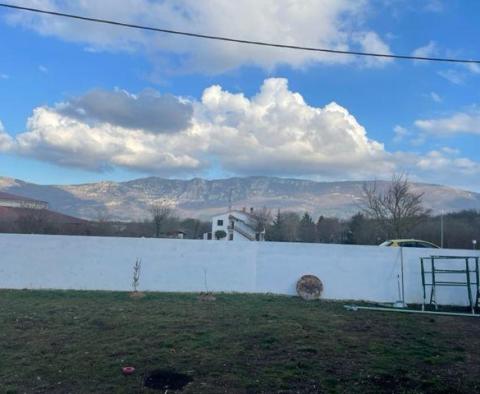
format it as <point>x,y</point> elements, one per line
<point>83,102</point>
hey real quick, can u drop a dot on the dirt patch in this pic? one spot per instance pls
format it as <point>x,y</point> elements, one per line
<point>137,295</point>
<point>206,297</point>
<point>166,380</point>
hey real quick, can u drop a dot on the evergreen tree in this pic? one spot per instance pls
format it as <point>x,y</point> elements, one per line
<point>306,229</point>
<point>276,231</point>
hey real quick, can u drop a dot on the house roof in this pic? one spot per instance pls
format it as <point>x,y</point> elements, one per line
<point>14,197</point>
<point>233,211</point>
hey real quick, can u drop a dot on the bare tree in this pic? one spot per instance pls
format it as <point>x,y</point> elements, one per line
<point>263,218</point>
<point>396,208</point>
<point>102,223</point>
<point>160,213</point>
<point>35,221</point>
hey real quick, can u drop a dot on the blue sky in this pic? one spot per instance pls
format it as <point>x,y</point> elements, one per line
<point>66,85</point>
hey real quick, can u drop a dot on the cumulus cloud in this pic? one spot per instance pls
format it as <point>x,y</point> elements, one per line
<point>63,140</point>
<point>447,162</point>
<point>442,166</point>
<point>6,141</point>
<point>457,123</point>
<point>335,24</point>
<point>148,110</point>
<point>274,132</point>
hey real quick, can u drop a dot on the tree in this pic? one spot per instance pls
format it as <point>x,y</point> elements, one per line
<point>276,229</point>
<point>329,230</point>
<point>35,221</point>
<point>306,229</point>
<point>396,208</point>
<point>284,227</point>
<point>160,213</point>
<point>263,218</point>
<point>363,231</point>
<point>291,220</point>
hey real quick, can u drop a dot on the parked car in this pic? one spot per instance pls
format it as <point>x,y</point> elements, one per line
<point>409,243</point>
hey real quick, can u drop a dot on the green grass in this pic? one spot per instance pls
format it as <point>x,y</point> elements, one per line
<point>76,342</point>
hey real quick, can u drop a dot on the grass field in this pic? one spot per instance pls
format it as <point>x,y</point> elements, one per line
<point>76,342</point>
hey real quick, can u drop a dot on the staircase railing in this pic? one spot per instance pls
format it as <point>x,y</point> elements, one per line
<point>242,229</point>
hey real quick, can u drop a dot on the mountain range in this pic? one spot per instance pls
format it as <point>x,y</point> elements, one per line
<point>201,198</point>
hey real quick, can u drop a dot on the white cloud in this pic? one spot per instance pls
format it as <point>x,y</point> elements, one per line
<point>434,6</point>
<point>275,132</point>
<point>370,42</point>
<point>6,142</point>
<point>450,151</point>
<point>428,50</point>
<point>436,97</point>
<point>435,161</point>
<point>4,76</point>
<point>453,76</point>
<point>400,133</point>
<point>66,141</point>
<point>457,123</point>
<point>459,75</point>
<point>42,69</point>
<point>443,166</point>
<point>473,68</point>
<point>335,24</point>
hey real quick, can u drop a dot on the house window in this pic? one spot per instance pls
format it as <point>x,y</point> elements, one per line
<point>219,222</point>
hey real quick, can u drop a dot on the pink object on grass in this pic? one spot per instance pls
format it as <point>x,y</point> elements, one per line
<point>128,370</point>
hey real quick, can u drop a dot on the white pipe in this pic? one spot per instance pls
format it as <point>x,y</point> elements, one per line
<point>403,277</point>
<point>372,308</point>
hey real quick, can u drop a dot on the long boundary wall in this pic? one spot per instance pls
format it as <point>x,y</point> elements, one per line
<point>349,272</point>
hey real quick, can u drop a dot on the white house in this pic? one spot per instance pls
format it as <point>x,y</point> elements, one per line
<point>237,226</point>
<point>13,201</point>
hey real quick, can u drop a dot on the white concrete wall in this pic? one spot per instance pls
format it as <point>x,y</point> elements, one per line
<point>103,263</point>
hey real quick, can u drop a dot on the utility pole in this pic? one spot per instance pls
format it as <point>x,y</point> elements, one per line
<point>441,229</point>
<point>230,200</point>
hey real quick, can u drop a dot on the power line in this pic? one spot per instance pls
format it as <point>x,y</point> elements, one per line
<point>237,40</point>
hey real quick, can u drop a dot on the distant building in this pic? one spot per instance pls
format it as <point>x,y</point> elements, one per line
<point>14,201</point>
<point>236,226</point>
<point>176,234</point>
